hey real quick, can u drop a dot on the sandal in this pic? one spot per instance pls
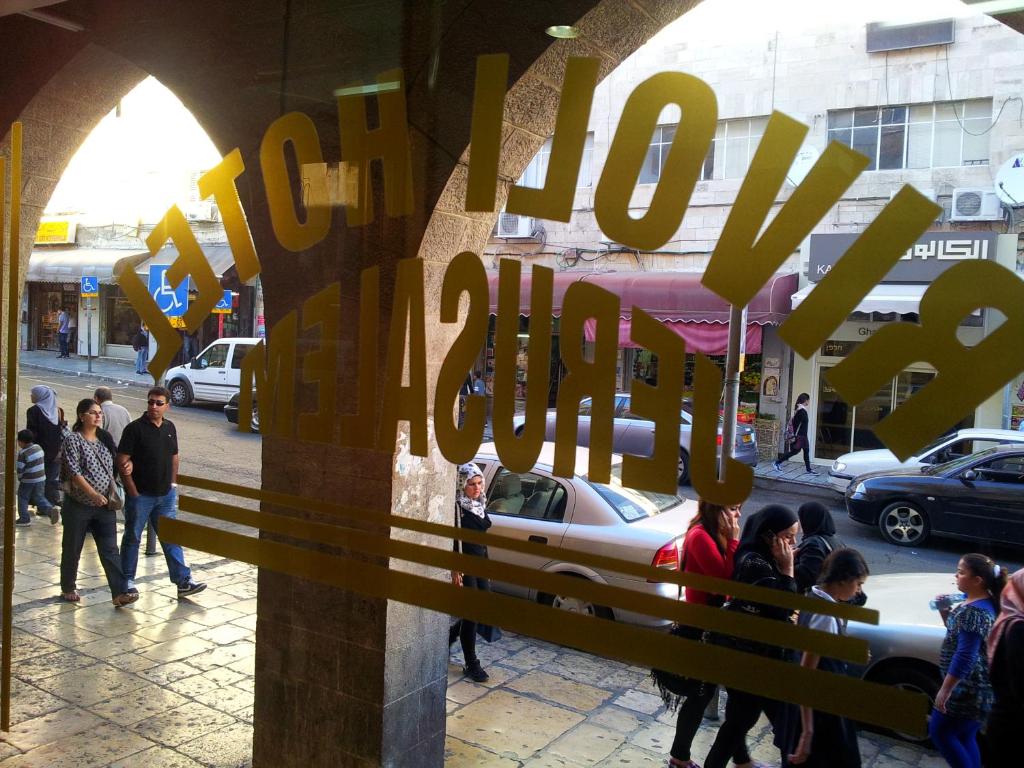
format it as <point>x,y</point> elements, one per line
<point>125,598</point>
<point>70,597</point>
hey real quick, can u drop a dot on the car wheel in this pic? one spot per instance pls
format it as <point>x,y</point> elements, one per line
<point>181,392</point>
<point>909,677</point>
<point>904,524</point>
<point>575,604</point>
<point>684,467</point>
<point>254,421</point>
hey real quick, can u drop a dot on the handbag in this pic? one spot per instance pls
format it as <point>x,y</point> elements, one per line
<point>672,687</point>
<point>115,496</point>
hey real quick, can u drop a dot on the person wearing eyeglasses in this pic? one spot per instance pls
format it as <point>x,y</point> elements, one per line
<point>88,468</point>
<point>150,443</point>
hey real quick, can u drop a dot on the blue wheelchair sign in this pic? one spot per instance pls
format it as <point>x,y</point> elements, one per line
<point>173,302</point>
<point>224,305</point>
<point>90,287</point>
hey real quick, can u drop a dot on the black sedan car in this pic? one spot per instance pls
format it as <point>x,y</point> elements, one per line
<point>980,497</point>
<point>231,413</point>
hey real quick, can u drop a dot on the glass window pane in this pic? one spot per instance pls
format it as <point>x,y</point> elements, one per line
<point>978,108</point>
<point>864,117</point>
<point>754,141</point>
<point>865,141</point>
<point>737,128</point>
<point>947,145</point>
<point>976,146</point>
<point>892,115</point>
<point>919,145</point>
<point>719,170</point>
<point>586,177</point>
<point>890,151</point>
<point>708,171</point>
<point>668,133</point>
<point>720,130</point>
<point>651,170</point>
<point>922,113</point>
<point>843,136</point>
<point>843,119</point>
<point>757,125</point>
<point>948,111</point>
<point>735,158</point>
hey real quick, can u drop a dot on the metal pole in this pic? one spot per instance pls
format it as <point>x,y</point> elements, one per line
<point>13,308</point>
<point>732,388</point>
<point>88,332</point>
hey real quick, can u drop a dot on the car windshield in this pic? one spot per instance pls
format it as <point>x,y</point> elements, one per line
<point>955,464</point>
<point>934,444</point>
<point>629,503</point>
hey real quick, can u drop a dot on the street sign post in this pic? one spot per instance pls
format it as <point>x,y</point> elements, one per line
<point>223,307</point>
<point>173,302</point>
<point>90,290</point>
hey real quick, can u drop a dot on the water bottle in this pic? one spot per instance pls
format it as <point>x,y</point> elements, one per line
<point>946,602</point>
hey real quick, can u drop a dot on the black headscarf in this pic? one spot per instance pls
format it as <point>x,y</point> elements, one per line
<point>770,519</point>
<point>815,519</point>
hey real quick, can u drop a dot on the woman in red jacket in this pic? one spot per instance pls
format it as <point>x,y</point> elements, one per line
<point>708,548</point>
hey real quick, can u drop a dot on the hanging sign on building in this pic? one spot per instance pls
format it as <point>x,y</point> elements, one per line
<point>929,257</point>
<point>55,232</point>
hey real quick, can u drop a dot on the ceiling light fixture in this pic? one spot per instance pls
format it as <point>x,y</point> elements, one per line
<point>563,31</point>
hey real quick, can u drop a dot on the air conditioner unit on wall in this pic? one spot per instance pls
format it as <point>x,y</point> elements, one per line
<point>513,225</point>
<point>975,204</point>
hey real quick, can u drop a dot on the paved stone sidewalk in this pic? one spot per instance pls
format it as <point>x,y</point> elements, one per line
<point>169,683</point>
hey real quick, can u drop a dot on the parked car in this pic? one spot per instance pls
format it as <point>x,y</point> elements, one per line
<point>578,514</point>
<point>905,644</point>
<point>635,434</point>
<point>231,412</point>
<point>214,374</point>
<point>963,442</point>
<point>979,497</point>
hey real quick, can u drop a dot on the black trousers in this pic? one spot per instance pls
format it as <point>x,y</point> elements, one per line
<point>464,629</point>
<point>79,520</point>
<point>742,711</point>
<point>688,721</point>
<point>800,444</point>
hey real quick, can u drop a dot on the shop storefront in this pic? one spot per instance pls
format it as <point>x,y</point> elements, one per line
<point>838,427</point>
<point>45,301</point>
<point>681,303</point>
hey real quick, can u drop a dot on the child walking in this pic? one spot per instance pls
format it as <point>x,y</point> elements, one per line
<point>31,467</point>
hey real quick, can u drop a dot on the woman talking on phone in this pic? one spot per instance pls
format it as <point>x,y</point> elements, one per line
<point>709,549</point>
<point>764,559</point>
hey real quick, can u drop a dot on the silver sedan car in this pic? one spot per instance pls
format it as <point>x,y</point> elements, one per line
<point>578,514</point>
<point>634,434</point>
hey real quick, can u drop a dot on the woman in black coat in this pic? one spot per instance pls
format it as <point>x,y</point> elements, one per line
<point>801,441</point>
<point>471,514</point>
<point>1006,670</point>
<point>764,559</point>
<point>818,542</point>
<point>46,421</point>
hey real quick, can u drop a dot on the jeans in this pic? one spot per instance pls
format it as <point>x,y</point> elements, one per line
<point>62,342</point>
<point>53,493</point>
<point>80,519</point>
<point>31,493</point>
<point>138,511</point>
<point>956,738</point>
<point>141,357</point>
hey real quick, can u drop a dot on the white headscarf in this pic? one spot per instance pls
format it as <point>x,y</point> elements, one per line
<point>46,399</point>
<point>477,506</point>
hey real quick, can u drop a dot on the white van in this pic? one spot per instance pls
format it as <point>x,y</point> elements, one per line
<point>214,374</point>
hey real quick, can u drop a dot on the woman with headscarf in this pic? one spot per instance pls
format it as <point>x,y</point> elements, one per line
<point>46,421</point>
<point>471,514</point>
<point>764,559</point>
<point>1006,671</point>
<point>818,542</point>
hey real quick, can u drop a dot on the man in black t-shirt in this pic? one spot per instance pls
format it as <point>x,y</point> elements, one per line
<point>151,444</point>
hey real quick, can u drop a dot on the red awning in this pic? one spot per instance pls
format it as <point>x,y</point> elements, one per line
<point>667,296</point>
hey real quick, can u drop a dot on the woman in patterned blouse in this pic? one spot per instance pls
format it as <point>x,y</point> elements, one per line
<point>965,698</point>
<point>88,468</point>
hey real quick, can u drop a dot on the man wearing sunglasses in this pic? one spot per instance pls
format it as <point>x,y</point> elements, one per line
<point>150,443</point>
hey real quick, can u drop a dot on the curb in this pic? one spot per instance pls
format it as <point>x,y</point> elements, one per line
<point>107,377</point>
<point>798,487</point>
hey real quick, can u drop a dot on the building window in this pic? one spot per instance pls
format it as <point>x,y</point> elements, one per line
<point>536,172</point>
<point>122,321</point>
<point>940,135</point>
<point>728,157</point>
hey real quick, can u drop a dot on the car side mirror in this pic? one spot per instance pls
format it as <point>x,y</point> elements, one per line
<point>969,476</point>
